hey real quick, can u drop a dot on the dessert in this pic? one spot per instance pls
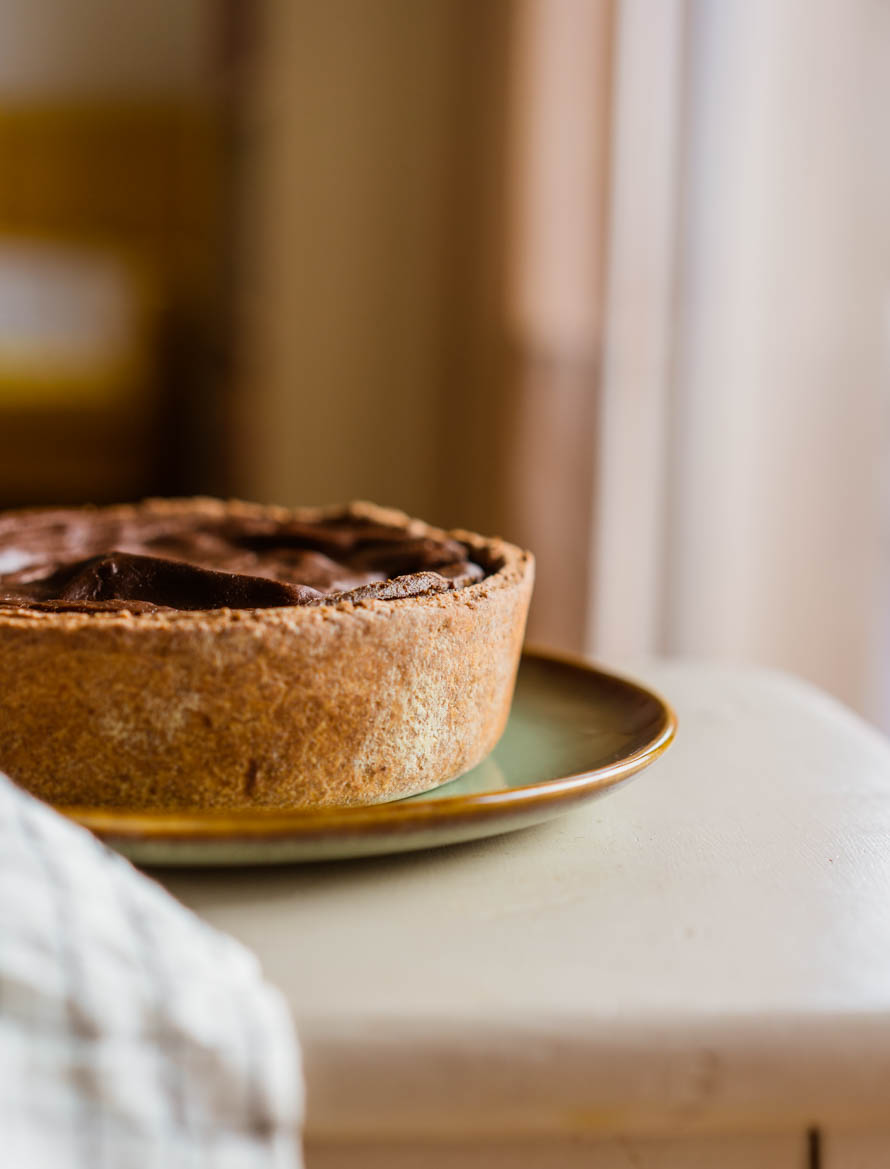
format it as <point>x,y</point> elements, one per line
<point>201,654</point>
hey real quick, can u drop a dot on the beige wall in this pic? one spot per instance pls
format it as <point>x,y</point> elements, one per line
<point>99,47</point>
<point>429,312</point>
<point>424,308</point>
<point>559,100</point>
<point>350,142</point>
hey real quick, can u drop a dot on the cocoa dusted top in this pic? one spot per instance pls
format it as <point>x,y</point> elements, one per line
<point>144,559</point>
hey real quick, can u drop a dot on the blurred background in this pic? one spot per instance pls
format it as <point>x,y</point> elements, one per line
<point>610,278</point>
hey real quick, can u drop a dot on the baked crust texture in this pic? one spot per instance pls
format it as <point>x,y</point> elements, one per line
<point>348,703</point>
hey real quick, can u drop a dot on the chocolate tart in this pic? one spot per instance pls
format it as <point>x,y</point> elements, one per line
<point>200,654</point>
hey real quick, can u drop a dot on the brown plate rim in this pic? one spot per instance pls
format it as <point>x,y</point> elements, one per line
<point>396,816</point>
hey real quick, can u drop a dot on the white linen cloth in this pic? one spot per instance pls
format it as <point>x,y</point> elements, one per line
<point>131,1033</point>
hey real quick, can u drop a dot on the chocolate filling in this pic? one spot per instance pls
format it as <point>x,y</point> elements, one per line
<point>80,560</point>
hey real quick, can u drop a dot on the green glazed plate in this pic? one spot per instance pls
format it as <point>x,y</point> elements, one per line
<point>574,733</point>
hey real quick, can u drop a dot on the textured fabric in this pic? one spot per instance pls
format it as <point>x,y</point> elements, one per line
<point>131,1033</point>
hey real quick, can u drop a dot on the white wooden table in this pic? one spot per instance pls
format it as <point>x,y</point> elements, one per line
<point>691,972</point>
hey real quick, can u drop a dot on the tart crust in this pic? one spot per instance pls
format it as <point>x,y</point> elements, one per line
<point>345,703</point>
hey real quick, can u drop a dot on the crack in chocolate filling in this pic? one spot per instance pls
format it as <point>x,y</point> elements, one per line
<point>140,560</point>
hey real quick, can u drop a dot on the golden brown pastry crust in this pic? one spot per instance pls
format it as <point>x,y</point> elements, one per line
<point>306,706</point>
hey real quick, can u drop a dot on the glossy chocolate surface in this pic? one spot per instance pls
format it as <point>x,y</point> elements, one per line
<point>144,560</point>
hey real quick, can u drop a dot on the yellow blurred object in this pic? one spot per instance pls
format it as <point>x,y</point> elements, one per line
<point>109,241</point>
<point>144,175</point>
<point>76,327</point>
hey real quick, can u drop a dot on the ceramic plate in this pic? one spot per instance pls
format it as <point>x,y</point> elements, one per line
<point>574,733</point>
